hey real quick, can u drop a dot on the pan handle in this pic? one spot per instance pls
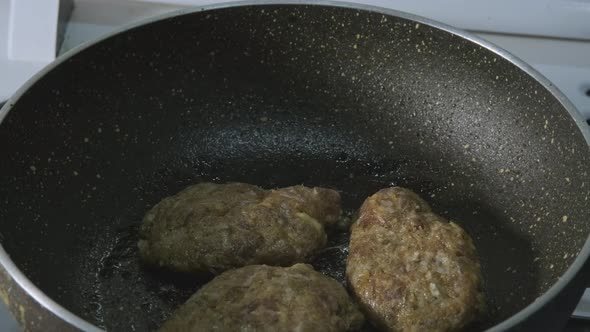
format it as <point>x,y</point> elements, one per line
<point>582,310</point>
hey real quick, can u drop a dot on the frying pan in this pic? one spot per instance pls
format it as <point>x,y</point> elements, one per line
<point>344,96</point>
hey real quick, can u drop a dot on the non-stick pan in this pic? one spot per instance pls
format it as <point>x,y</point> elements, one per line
<point>343,96</point>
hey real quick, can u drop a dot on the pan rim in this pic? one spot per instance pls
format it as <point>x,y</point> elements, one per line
<point>48,303</point>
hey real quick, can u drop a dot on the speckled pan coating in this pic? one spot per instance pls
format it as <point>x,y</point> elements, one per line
<point>276,96</point>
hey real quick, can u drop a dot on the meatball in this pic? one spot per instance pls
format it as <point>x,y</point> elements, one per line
<point>215,227</point>
<point>267,298</point>
<point>410,269</point>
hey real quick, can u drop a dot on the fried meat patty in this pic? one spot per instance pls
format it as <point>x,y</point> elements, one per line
<point>212,227</point>
<point>410,269</point>
<point>267,298</point>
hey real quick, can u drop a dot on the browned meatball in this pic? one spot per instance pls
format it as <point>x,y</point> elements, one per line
<point>409,268</point>
<point>215,227</point>
<point>266,298</point>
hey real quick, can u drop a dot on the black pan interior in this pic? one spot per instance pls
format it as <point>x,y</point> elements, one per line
<point>276,96</point>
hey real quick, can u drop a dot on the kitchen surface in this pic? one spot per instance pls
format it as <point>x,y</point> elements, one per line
<point>552,36</point>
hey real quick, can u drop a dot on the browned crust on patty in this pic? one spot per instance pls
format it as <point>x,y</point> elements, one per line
<point>212,227</point>
<point>410,269</point>
<point>266,298</point>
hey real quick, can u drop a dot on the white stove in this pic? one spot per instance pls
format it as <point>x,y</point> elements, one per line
<point>553,36</point>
